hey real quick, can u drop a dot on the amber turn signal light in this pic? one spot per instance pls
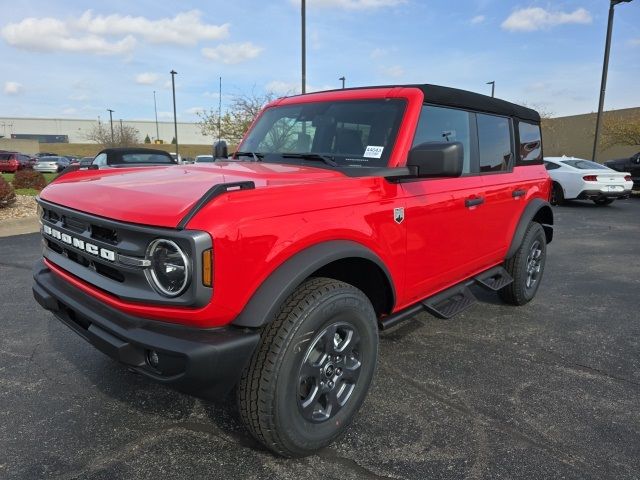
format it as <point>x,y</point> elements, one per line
<point>207,268</point>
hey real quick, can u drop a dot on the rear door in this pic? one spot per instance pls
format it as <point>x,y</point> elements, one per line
<point>508,181</point>
<point>444,217</point>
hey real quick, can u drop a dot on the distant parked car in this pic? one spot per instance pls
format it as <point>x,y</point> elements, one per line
<point>176,156</point>
<point>46,154</point>
<point>11,162</point>
<point>130,157</point>
<point>85,161</point>
<point>51,164</point>
<point>631,165</point>
<point>576,178</point>
<point>204,159</point>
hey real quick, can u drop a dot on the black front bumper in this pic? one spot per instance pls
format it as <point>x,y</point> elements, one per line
<point>203,362</point>
<point>595,194</point>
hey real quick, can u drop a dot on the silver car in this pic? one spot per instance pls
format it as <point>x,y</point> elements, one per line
<point>51,164</point>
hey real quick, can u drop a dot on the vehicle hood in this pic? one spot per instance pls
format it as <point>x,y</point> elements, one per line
<point>162,196</point>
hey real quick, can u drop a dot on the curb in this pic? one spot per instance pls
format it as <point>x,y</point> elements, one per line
<point>19,226</point>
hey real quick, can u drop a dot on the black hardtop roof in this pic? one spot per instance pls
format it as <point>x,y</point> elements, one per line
<point>455,97</point>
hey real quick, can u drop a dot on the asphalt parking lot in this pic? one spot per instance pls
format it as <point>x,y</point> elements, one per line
<point>549,390</point>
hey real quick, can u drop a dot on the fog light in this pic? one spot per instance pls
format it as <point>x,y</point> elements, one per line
<point>153,358</point>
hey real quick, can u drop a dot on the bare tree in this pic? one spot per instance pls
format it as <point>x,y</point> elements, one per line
<point>621,129</point>
<point>123,135</point>
<point>234,123</point>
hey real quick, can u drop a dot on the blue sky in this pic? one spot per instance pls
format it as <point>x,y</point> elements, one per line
<point>77,58</point>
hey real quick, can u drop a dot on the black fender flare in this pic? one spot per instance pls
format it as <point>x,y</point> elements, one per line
<point>263,306</point>
<point>539,210</point>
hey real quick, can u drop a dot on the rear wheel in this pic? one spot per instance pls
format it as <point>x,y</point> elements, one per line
<point>603,201</point>
<point>312,368</point>
<point>526,267</point>
<point>557,195</point>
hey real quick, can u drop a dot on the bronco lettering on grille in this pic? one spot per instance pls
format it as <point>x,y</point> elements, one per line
<point>90,248</point>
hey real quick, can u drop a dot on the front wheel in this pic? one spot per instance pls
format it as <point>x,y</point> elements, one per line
<point>526,267</point>
<point>603,201</point>
<point>312,369</point>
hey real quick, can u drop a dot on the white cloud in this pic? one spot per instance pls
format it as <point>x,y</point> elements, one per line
<point>78,97</point>
<point>352,4</point>
<point>69,111</point>
<point>232,53</point>
<point>377,53</point>
<point>91,33</point>
<point>146,78</point>
<point>395,71</point>
<point>634,42</point>
<point>12,88</point>
<point>536,18</point>
<point>186,28</point>
<point>280,87</point>
<point>478,19</point>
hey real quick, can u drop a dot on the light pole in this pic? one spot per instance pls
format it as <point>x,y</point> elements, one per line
<point>155,106</point>
<point>303,12</point>
<point>605,68</point>
<point>111,122</point>
<point>175,118</point>
<point>343,80</point>
<point>493,87</point>
<point>121,133</point>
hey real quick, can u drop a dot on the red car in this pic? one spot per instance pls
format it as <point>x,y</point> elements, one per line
<point>341,213</point>
<point>11,162</point>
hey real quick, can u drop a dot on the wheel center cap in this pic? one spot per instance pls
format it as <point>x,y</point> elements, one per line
<point>329,370</point>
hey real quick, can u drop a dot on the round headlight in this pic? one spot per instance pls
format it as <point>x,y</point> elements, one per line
<point>169,269</point>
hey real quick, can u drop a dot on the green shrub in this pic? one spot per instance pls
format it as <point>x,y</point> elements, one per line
<point>7,194</point>
<point>29,179</point>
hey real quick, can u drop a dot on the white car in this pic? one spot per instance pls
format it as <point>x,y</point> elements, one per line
<point>576,178</point>
<point>204,159</point>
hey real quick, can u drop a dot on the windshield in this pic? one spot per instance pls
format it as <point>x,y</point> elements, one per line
<point>137,158</point>
<point>584,164</point>
<point>204,158</point>
<point>351,133</point>
<point>48,159</point>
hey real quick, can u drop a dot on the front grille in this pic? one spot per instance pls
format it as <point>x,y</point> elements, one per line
<point>90,248</point>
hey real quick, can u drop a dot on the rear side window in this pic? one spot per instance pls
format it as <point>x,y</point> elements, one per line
<point>494,142</point>
<point>530,144</point>
<point>441,124</point>
<point>551,166</point>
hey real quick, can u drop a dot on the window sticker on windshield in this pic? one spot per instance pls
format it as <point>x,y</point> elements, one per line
<point>373,152</point>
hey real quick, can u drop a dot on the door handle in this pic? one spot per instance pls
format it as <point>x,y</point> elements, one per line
<point>472,202</point>
<point>518,193</point>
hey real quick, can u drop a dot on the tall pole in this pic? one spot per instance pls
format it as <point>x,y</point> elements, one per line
<point>121,133</point>
<point>111,122</point>
<point>493,87</point>
<point>605,68</point>
<point>155,107</point>
<point>175,117</point>
<point>219,109</point>
<point>303,12</point>
<point>343,80</point>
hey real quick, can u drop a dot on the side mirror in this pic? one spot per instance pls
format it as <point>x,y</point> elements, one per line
<point>220,150</point>
<point>436,159</point>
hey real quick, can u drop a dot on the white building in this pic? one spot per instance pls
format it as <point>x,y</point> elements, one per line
<point>76,129</point>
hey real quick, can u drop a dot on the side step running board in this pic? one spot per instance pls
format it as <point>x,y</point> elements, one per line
<point>453,300</point>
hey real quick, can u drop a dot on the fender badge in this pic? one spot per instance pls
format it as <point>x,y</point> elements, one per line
<point>398,214</point>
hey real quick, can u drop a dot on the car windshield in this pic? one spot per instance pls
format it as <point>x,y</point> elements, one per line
<point>345,133</point>
<point>48,159</point>
<point>204,158</point>
<point>584,164</point>
<point>154,158</point>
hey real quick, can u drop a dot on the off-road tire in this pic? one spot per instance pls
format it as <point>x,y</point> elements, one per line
<point>517,292</point>
<point>268,391</point>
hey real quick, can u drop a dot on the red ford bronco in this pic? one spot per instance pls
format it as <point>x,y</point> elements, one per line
<point>341,213</point>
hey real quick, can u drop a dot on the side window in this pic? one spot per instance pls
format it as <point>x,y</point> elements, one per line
<point>441,124</point>
<point>530,144</point>
<point>494,142</point>
<point>551,166</point>
<point>100,160</point>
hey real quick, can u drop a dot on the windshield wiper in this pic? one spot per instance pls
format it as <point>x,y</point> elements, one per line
<point>256,156</point>
<point>311,156</point>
